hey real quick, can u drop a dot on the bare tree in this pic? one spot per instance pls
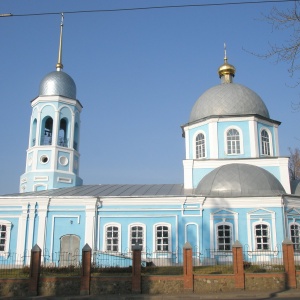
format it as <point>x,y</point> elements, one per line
<point>294,163</point>
<point>289,50</point>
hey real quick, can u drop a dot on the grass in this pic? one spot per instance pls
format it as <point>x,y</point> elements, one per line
<point>217,269</point>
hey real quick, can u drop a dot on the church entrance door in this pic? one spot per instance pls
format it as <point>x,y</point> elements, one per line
<point>69,250</point>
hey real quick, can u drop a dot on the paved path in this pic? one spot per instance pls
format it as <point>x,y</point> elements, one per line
<point>245,295</point>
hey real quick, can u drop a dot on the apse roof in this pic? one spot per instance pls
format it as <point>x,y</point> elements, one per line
<point>239,180</point>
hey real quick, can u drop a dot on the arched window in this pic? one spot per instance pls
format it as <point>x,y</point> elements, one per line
<point>265,143</point>
<point>33,133</point>
<point>62,135</point>
<point>295,236</point>
<point>76,137</point>
<point>224,237</point>
<point>46,132</point>
<point>112,235</point>
<point>233,142</point>
<point>200,145</point>
<point>262,237</point>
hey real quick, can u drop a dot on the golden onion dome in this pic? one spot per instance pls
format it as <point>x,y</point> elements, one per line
<point>226,69</point>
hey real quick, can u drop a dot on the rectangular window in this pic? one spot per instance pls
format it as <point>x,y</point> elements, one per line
<point>112,238</point>
<point>262,237</point>
<point>224,237</point>
<point>162,238</point>
<point>2,237</point>
<point>295,236</point>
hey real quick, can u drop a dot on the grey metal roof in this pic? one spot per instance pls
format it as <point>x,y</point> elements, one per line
<point>239,180</point>
<point>228,99</point>
<point>114,190</point>
<point>58,83</point>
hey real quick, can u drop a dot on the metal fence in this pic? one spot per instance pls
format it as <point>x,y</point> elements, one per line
<point>208,261</point>
<point>267,260</point>
<point>13,265</point>
<point>61,263</point>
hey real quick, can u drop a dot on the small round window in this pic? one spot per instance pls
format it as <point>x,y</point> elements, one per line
<point>63,160</point>
<point>44,159</point>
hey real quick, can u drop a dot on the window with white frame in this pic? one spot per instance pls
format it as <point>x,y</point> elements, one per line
<point>295,235</point>
<point>262,236</point>
<point>3,239</point>
<point>265,143</point>
<point>5,228</point>
<point>112,235</point>
<point>137,235</point>
<point>200,145</point>
<point>233,141</point>
<point>224,237</point>
<point>162,237</point>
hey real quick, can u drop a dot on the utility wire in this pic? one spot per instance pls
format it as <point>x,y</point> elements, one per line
<point>146,8</point>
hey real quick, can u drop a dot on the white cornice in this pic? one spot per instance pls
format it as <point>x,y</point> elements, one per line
<point>59,99</point>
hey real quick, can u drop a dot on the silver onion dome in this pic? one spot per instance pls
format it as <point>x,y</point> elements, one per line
<point>58,83</point>
<point>240,180</point>
<point>229,99</point>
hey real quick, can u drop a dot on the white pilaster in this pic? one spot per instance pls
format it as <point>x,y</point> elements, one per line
<point>213,140</point>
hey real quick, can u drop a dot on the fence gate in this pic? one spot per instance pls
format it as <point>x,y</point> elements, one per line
<point>69,250</point>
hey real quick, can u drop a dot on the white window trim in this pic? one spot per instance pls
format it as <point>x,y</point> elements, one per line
<point>195,146</point>
<point>241,140</point>
<point>119,237</point>
<point>216,235</point>
<point>39,184</point>
<point>8,225</point>
<point>144,235</point>
<point>169,238</point>
<point>270,141</point>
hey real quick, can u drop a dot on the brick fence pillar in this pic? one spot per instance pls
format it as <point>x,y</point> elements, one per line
<point>188,278</point>
<point>35,267</point>
<point>289,263</point>
<point>136,269</point>
<point>86,270</point>
<point>238,265</point>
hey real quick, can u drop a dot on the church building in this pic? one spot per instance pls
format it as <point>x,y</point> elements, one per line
<point>236,185</point>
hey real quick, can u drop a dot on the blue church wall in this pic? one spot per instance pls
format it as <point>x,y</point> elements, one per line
<point>173,219</point>
<point>293,224</point>
<point>198,174</point>
<point>43,166</point>
<point>60,166</point>
<point>246,219</point>
<point>63,222</point>
<point>243,128</point>
<point>273,170</point>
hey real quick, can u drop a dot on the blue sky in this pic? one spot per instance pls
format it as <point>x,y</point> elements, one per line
<point>138,75</point>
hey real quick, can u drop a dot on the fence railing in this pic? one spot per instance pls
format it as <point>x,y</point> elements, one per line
<point>14,265</point>
<point>210,261</point>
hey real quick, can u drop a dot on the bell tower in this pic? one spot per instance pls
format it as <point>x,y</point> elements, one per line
<point>52,159</point>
